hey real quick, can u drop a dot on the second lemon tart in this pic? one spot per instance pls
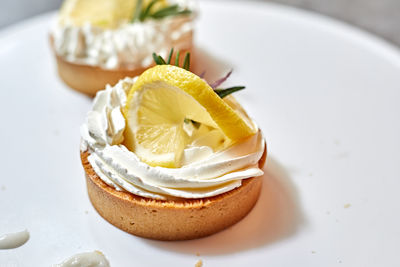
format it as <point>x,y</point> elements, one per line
<point>98,42</point>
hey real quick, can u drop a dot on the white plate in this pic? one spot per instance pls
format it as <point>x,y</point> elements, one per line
<point>326,96</point>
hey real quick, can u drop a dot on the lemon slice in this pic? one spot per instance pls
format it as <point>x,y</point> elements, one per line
<point>101,13</point>
<point>164,109</point>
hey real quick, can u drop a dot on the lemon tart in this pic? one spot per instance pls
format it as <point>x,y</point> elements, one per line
<point>169,157</point>
<point>99,42</point>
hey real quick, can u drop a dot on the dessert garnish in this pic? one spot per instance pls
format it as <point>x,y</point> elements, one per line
<point>111,13</point>
<point>170,109</point>
<point>143,12</point>
<point>186,65</point>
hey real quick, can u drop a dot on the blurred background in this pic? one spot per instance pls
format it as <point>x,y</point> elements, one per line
<point>381,17</point>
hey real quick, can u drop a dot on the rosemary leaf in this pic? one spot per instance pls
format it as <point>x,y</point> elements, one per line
<point>220,81</point>
<point>162,60</point>
<point>138,10</point>
<point>177,59</point>
<point>227,91</point>
<point>166,11</point>
<point>202,74</point>
<point>143,12</point>
<point>146,12</point>
<point>182,12</point>
<point>170,56</point>
<point>186,62</point>
<point>158,59</point>
<point>171,13</point>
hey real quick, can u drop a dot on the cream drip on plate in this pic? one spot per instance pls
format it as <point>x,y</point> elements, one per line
<point>205,173</point>
<point>14,240</point>
<point>128,46</point>
<point>86,259</point>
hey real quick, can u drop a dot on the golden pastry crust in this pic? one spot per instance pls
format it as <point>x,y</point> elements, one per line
<point>171,219</point>
<point>90,79</point>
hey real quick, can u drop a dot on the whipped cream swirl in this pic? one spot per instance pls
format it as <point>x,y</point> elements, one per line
<point>205,173</point>
<point>128,46</point>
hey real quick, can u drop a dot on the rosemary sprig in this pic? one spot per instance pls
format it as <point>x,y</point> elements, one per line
<point>221,92</point>
<point>142,13</point>
<point>227,91</point>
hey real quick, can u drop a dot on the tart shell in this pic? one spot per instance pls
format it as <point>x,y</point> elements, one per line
<point>90,79</point>
<point>180,219</point>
